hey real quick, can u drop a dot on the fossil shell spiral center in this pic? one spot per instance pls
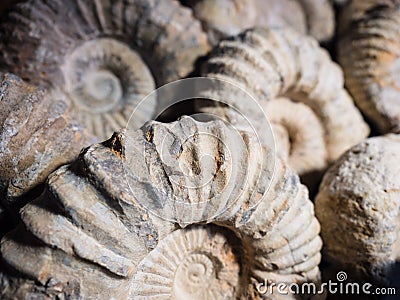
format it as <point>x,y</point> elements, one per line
<point>100,74</point>
<point>194,273</point>
<point>105,80</point>
<point>103,90</point>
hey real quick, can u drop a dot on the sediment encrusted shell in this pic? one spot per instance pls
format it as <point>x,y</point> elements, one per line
<point>369,51</point>
<point>222,18</point>
<point>193,218</point>
<point>105,55</point>
<point>358,206</point>
<point>319,120</point>
<point>37,136</point>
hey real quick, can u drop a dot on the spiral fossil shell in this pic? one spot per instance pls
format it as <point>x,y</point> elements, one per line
<point>130,236</point>
<point>222,18</point>
<point>319,120</point>
<point>358,206</point>
<point>105,55</point>
<point>370,56</point>
<point>37,136</point>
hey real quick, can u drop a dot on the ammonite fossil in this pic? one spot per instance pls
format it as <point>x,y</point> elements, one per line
<point>358,206</point>
<point>37,135</point>
<point>222,18</point>
<point>105,55</point>
<point>317,121</point>
<point>186,210</point>
<point>369,51</point>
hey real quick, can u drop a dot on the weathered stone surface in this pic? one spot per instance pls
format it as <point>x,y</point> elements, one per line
<point>183,210</point>
<point>358,206</point>
<point>37,135</point>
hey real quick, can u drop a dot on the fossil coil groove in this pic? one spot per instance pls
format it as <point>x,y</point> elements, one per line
<point>89,223</point>
<point>105,55</point>
<point>275,63</point>
<point>369,51</point>
<point>358,206</point>
<point>222,18</point>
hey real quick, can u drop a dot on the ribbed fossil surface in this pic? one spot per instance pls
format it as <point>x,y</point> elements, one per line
<point>369,51</point>
<point>37,135</point>
<point>105,55</point>
<point>222,18</point>
<point>318,121</point>
<point>166,212</point>
<point>358,206</point>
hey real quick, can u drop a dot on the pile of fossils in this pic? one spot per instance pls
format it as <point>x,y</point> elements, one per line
<point>94,208</point>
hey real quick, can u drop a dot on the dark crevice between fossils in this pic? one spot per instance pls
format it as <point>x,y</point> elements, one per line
<point>115,144</point>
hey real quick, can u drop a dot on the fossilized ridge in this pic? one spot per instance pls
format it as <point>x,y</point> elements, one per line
<point>98,233</point>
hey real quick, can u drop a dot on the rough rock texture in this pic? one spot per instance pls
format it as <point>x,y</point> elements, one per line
<point>105,55</point>
<point>319,122</point>
<point>222,18</point>
<point>132,217</point>
<point>369,51</point>
<point>358,206</point>
<point>37,135</point>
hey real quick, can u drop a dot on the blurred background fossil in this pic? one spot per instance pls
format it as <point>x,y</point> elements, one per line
<point>104,55</point>
<point>318,121</point>
<point>358,206</point>
<point>369,51</point>
<point>223,18</point>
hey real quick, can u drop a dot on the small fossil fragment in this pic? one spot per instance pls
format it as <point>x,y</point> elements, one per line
<point>369,51</point>
<point>194,217</point>
<point>319,120</point>
<point>37,135</point>
<point>105,55</point>
<point>358,206</point>
<point>222,18</point>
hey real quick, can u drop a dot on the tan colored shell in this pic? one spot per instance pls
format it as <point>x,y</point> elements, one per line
<point>105,55</point>
<point>222,18</point>
<point>97,225</point>
<point>358,206</point>
<point>320,120</point>
<point>297,126</point>
<point>37,135</point>
<point>369,51</point>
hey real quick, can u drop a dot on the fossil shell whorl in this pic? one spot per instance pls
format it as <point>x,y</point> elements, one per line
<point>320,19</point>
<point>301,134</point>
<point>205,267</point>
<point>37,136</point>
<point>369,51</point>
<point>90,223</point>
<point>274,63</point>
<point>298,133</point>
<point>358,206</point>
<point>222,18</point>
<point>105,55</point>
